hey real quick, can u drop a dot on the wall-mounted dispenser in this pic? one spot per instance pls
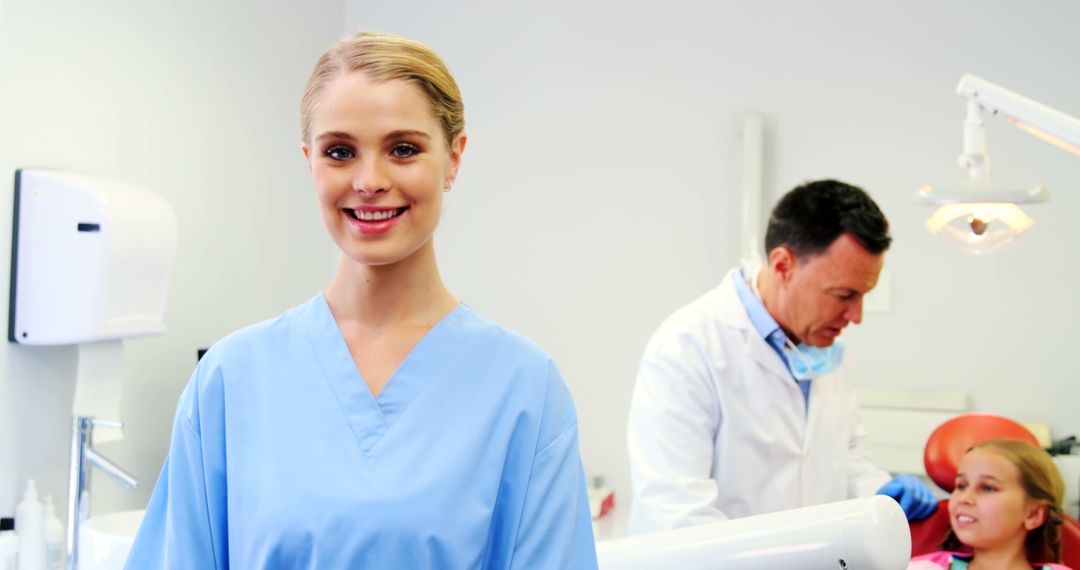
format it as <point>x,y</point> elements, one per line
<point>90,259</point>
<point>90,266</point>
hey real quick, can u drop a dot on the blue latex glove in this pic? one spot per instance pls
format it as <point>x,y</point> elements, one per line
<point>914,497</point>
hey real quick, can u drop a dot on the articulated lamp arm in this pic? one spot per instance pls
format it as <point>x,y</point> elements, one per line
<point>1040,120</point>
<point>979,217</point>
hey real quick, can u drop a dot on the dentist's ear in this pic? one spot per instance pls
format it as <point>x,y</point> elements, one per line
<point>782,261</point>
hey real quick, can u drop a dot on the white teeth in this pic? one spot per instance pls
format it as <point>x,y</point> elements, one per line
<point>374,216</point>
<point>965,519</point>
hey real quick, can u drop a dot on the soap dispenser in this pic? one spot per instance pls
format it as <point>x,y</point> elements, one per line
<point>30,519</point>
<point>54,537</point>
<point>9,544</point>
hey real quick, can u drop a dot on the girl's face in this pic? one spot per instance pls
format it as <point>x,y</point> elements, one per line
<point>989,507</point>
<point>380,164</point>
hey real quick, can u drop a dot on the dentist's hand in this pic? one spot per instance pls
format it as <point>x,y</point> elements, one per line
<point>915,498</point>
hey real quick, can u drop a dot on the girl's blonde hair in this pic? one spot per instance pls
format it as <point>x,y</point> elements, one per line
<point>384,57</point>
<point>1042,482</point>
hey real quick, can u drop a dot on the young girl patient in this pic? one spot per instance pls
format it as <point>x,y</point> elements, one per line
<point>1006,509</point>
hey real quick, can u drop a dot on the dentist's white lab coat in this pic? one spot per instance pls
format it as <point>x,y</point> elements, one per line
<point>719,429</point>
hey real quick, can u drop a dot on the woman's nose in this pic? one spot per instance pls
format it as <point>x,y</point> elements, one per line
<point>370,177</point>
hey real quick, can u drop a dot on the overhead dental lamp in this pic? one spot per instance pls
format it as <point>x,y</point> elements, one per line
<point>978,216</point>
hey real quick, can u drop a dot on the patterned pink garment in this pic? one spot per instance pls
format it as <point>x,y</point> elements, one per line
<point>940,561</point>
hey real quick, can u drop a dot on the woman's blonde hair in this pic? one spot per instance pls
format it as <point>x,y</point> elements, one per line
<point>384,57</point>
<point>1042,482</point>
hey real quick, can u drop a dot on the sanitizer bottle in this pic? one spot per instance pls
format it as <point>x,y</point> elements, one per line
<point>30,522</point>
<point>9,544</point>
<point>54,537</point>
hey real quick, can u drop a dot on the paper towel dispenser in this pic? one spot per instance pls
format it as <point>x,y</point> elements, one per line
<point>90,259</point>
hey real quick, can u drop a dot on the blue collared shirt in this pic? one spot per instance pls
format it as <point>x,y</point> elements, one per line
<point>766,326</point>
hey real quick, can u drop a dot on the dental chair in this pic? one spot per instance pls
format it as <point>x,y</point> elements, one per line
<point>941,456</point>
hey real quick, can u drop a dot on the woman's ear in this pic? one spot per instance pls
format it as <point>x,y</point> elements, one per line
<point>1036,516</point>
<point>307,154</point>
<point>457,148</point>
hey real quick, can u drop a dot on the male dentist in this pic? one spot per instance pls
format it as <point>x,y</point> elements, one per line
<point>741,405</point>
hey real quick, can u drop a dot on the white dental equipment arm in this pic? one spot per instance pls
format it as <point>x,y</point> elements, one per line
<point>858,534</point>
<point>1035,118</point>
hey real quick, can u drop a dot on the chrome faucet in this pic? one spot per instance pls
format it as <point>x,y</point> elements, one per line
<point>82,457</point>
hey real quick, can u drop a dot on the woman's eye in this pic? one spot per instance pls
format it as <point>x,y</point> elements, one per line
<point>987,488</point>
<point>339,153</point>
<point>404,150</point>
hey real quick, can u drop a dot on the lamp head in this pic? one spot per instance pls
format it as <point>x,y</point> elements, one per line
<point>977,217</point>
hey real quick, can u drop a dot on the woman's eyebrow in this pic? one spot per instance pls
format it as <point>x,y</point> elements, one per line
<point>407,133</point>
<point>335,135</point>
<point>978,477</point>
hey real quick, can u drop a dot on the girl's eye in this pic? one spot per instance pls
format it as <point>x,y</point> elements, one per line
<point>987,488</point>
<point>339,152</point>
<point>961,486</point>
<point>404,150</point>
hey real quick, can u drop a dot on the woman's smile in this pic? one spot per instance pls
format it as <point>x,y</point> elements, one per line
<point>380,163</point>
<point>371,220</point>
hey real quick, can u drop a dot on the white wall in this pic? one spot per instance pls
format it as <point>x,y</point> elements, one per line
<point>198,100</point>
<point>598,190</point>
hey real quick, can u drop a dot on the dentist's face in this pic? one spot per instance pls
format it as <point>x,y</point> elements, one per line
<point>822,294</point>
<point>380,163</point>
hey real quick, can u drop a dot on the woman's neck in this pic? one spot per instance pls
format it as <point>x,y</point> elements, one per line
<point>379,296</point>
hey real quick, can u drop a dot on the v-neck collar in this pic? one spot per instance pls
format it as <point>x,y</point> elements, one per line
<point>371,417</point>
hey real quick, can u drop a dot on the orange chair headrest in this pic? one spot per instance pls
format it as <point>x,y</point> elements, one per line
<point>949,442</point>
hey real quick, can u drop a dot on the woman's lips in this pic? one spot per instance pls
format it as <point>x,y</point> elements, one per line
<point>965,520</point>
<point>374,220</point>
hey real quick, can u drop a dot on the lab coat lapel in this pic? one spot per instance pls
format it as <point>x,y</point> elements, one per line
<point>733,314</point>
<point>767,358</point>
<point>819,391</point>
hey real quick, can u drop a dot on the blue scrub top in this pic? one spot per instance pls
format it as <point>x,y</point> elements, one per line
<point>281,458</point>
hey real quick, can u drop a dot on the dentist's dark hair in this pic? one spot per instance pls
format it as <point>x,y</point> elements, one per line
<point>810,217</point>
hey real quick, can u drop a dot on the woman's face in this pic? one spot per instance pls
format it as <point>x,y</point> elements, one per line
<point>380,164</point>
<point>989,507</point>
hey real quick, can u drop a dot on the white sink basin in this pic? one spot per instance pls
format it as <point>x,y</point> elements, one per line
<point>105,540</point>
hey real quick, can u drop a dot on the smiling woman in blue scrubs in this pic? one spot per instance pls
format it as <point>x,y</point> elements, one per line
<point>382,423</point>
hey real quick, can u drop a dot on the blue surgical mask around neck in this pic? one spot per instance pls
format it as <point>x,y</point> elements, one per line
<point>807,362</point>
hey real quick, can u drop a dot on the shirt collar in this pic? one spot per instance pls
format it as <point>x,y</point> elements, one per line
<point>763,322</point>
